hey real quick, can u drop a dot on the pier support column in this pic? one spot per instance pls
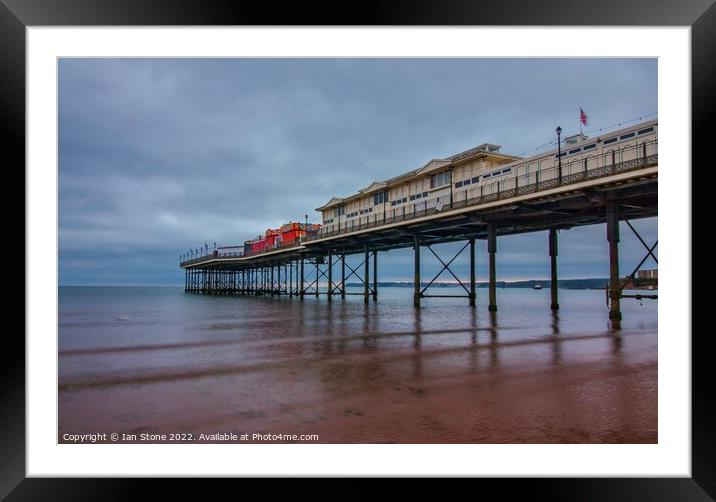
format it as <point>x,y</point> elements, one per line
<point>472,273</point>
<point>416,283</point>
<point>492,249</point>
<point>330,276</point>
<point>375,275</point>
<point>273,284</point>
<point>553,267</point>
<point>290,279</point>
<point>278,269</point>
<point>366,275</point>
<point>301,292</point>
<point>343,276</point>
<point>615,314</point>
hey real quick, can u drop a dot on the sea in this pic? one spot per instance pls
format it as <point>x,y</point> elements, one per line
<point>156,364</point>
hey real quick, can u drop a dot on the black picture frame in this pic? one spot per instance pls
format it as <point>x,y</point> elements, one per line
<point>16,15</point>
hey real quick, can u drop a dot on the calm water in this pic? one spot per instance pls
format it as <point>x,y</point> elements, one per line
<point>158,360</point>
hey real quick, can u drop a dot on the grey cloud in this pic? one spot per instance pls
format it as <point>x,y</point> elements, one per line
<point>159,156</point>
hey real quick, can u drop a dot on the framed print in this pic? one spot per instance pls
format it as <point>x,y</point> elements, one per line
<point>255,249</point>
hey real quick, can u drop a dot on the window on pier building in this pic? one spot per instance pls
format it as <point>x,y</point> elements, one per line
<point>440,179</point>
<point>338,211</point>
<point>380,198</point>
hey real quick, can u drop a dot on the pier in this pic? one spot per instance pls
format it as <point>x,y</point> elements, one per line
<point>609,187</point>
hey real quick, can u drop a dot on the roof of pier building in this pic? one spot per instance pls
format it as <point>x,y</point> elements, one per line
<point>487,150</point>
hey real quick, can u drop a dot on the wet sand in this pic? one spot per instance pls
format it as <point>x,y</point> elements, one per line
<point>355,374</point>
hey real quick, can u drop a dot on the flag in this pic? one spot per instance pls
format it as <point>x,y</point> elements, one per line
<point>582,116</point>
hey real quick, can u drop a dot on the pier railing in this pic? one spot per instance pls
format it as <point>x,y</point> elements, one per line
<point>205,254</point>
<point>572,171</point>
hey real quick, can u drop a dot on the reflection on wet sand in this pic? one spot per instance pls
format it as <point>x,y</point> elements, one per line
<point>381,372</point>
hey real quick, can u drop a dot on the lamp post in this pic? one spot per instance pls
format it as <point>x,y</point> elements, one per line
<point>559,152</point>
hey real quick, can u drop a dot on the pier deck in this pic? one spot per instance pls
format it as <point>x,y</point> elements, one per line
<point>622,191</point>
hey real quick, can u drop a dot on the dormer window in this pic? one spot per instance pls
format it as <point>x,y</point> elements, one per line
<point>440,179</point>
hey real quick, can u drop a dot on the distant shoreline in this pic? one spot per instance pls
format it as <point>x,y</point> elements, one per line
<point>591,283</point>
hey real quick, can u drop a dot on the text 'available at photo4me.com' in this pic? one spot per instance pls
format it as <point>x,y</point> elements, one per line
<point>216,437</point>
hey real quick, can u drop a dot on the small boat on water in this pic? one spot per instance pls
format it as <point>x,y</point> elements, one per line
<point>537,286</point>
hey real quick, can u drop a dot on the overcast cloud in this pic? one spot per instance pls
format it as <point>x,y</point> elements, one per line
<point>158,156</point>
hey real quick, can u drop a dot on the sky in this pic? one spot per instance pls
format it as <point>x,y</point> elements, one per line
<point>158,156</point>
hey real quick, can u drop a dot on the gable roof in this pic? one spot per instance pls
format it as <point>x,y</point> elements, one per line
<point>376,185</point>
<point>332,202</point>
<point>433,165</point>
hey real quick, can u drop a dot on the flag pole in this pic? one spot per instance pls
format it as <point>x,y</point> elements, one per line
<point>580,124</point>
